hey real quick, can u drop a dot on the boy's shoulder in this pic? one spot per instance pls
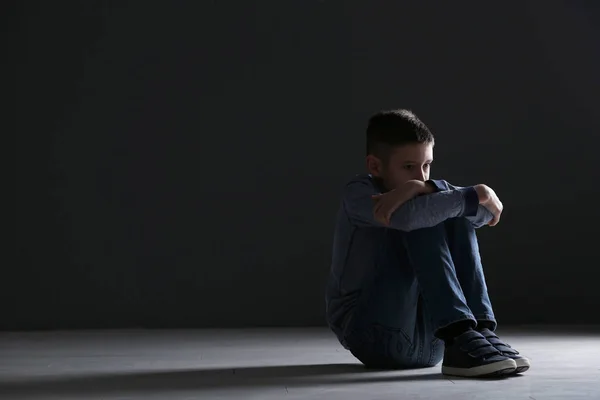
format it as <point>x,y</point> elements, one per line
<point>360,180</point>
<point>361,183</point>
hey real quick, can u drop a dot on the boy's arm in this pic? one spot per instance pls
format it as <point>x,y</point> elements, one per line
<point>419,212</point>
<point>483,215</point>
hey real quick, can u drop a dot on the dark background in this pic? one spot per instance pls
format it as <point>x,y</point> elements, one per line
<point>179,163</point>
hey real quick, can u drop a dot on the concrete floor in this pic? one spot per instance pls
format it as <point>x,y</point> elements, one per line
<point>271,364</point>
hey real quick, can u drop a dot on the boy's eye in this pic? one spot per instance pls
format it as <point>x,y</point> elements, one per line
<point>408,167</point>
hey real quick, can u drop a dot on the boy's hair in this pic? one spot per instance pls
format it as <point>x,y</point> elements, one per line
<point>392,128</point>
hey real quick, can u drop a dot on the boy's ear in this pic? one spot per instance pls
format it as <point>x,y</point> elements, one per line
<point>374,165</point>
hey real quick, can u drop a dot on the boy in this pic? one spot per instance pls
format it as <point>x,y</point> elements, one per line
<point>406,286</point>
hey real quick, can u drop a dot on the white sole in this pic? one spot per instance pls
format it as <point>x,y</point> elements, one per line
<point>504,367</point>
<point>523,365</point>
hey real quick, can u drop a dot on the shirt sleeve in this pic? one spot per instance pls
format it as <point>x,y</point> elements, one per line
<point>420,212</point>
<point>479,217</point>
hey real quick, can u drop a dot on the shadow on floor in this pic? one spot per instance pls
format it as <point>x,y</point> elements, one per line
<point>206,379</point>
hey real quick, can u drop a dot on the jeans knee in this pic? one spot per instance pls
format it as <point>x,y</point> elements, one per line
<point>430,236</point>
<point>458,224</point>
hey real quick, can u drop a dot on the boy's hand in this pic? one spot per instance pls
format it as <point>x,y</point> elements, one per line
<point>489,199</point>
<point>387,203</point>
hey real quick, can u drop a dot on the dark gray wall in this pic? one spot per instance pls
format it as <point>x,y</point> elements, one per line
<point>178,163</point>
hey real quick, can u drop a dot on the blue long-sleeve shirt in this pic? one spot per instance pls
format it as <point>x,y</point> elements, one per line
<point>358,236</point>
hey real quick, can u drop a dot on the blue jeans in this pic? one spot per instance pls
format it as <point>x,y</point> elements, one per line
<point>437,279</point>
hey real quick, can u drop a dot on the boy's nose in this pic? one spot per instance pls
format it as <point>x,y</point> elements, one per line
<point>420,176</point>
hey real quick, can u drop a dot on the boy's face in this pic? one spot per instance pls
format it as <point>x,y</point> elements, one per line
<point>405,163</point>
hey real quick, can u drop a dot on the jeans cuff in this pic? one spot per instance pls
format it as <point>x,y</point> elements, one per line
<point>488,318</point>
<point>461,317</point>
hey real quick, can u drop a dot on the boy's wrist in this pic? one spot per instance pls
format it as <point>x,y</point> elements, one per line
<point>437,185</point>
<point>430,187</point>
<point>419,188</point>
<point>482,192</point>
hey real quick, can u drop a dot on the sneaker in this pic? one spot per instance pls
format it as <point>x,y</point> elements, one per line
<point>523,363</point>
<point>471,355</point>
